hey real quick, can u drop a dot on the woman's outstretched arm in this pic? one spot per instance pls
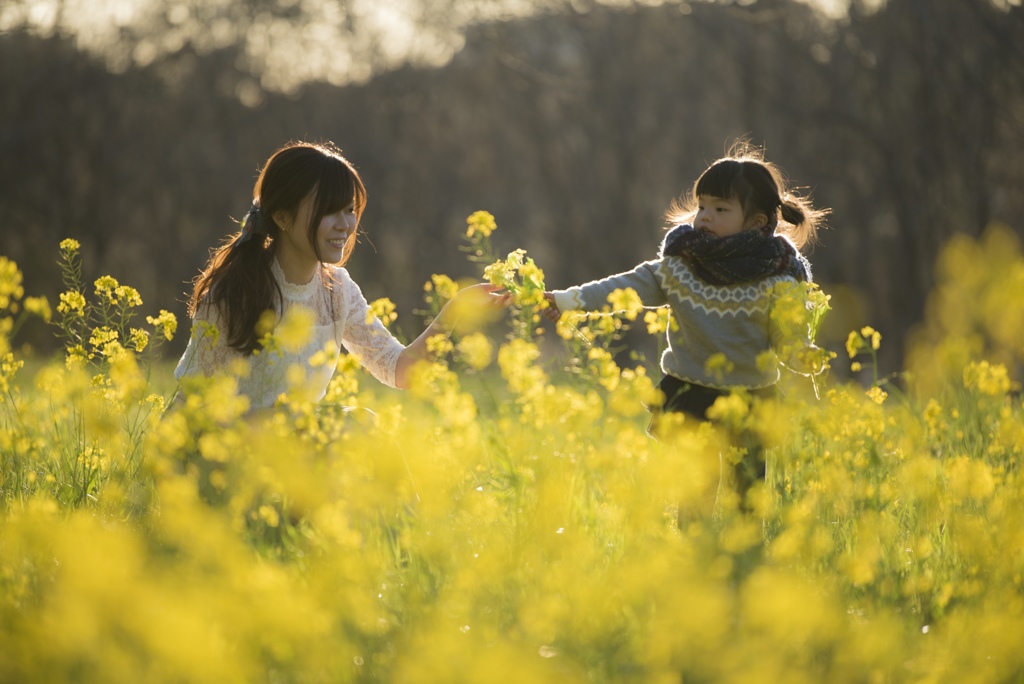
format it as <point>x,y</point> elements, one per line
<point>467,307</point>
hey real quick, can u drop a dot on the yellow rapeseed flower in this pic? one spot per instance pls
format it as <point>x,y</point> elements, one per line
<point>604,367</point>
<point>269,515</point>
<point>476,350</point>
<point>383,309</point>
<point>138,338</point>
<point>531,274</point>
<point>481,222</point>
<point>344,385</point>
<point>38,306</point>
<point>626,301</point>
<point>127,296</point>
<point>502,272</point>
<point>660,320</point>
<point>11,289</point>
<point>8,367</point>
<point>71,302</point>
<point>876,337</point>
<point>445,287</point>
<point>731,409</point>
<point>521,276</point>
<point>718,365</point>
<point>969,478</point>
<point>989,379</point>
<point>439,345</point>
<point>877,394</point>
<point>854,343</point>
<point>101,336</point>
<point>516,362</point>
<point>296,329</point>
<point>932,415</point>
<point>6,325</point>
<point>106,286</point>
<point>324,356</point>
<point>165,322</point>
<point>76,356</point>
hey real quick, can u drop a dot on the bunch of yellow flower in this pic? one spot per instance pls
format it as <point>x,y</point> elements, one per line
<point>660,320</point>
<point>626,302</point>
<point>989,379</point>
<point>72,303</point>
<point>482,223</point>
<point>124,296</point>
<point>476,350</point>
<point>518,274</point>
<point>11,289</point>
<point>13,311</point>
<point>166,324</point>
<point>438,291</point>
<point>866,338</point>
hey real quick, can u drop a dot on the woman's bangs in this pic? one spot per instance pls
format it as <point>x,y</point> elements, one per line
<point>335,190</point>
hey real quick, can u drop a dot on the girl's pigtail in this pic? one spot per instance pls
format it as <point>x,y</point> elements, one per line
<point>792,213</point>
<point>803,219</point>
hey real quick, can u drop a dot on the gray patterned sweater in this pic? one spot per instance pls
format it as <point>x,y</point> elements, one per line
<point>734,320</point>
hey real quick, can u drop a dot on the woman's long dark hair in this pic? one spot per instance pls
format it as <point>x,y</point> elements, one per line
<point>238,279</point>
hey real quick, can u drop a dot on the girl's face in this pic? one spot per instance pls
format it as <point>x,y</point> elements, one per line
<point>723,217</point>
<point>332,234</point>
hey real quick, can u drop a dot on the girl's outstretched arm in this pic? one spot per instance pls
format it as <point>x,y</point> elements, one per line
<point>467,307</point>
<point>593,296</point>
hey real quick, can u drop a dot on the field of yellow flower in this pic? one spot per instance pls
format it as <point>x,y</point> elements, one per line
<point>509,519</point>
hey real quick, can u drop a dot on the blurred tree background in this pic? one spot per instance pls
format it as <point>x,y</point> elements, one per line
<point>137,127</point>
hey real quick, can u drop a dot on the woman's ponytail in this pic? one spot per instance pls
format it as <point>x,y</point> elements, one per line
<point>238,281</point>
<point>254,223</point>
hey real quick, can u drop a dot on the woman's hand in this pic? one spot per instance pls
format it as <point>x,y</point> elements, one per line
<point>470,307</point>
<point>473,305</point>
<point>494,296</point>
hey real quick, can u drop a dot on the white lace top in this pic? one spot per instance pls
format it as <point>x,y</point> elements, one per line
<point>339,319</point>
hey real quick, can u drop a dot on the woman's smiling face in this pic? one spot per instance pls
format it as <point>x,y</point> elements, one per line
<point>332,234</point>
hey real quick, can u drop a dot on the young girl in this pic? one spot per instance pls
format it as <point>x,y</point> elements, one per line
<point>290,253</point>
<point>735,241</point>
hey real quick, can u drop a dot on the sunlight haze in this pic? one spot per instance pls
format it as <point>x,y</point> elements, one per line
<point>339,42</point>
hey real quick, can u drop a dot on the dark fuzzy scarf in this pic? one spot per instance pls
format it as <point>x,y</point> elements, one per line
<point>742,258</point>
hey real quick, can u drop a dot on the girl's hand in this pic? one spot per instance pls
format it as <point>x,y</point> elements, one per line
<point>551,312</point>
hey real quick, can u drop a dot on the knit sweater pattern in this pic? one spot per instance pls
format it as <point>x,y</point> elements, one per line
<point>734,320</point>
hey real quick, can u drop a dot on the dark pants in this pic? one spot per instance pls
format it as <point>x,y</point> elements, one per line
<point>695,400</point>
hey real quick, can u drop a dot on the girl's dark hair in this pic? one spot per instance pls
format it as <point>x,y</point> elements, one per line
<point>759,187</point>
<point>238,279</point>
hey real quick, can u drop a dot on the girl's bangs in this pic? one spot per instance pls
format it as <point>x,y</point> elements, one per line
<point>720,180</point>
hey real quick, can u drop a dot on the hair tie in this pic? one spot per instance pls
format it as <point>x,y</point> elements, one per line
<point>252,223</point>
